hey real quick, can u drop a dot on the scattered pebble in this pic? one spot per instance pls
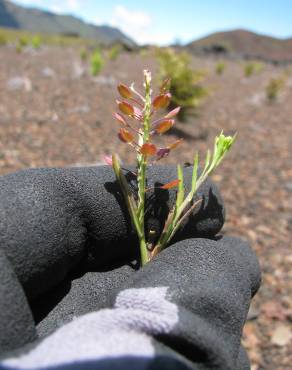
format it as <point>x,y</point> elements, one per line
<point>19,83</point>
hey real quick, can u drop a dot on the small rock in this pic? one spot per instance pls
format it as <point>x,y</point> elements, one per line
<point>281,336</point>
<point>19,83</point>
<point>80,109</point>
<point>78,71</point>
<point>106,81</point>
<point>288,186</point>
<point>48,72</point>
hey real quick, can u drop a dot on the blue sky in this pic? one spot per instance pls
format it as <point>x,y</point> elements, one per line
<point>162,22</point>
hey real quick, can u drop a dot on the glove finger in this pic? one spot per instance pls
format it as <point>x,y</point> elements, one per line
<point>76,296</point>
<point>16,322</point>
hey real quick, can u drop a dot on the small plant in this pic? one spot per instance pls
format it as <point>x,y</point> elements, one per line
<point>96,63</point>
<point>143,109</point>
<point>249,69</point>
<point>273,88</point>
<point>186,89</point>
<point>23,41</point>
<point>258,67</point>
<point>220,68</point>
<point>18,49</point>
<point>83,55</point>
<point>3,40</point>
<point>36,42</point>
<point>252,68</point>
<point>114,52</point>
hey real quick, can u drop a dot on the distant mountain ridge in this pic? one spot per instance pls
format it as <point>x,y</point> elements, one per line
<point>246,44</point>
<point>36,20</point>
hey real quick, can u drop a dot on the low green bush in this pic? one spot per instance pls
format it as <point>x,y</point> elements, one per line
<point>273,88</point>
<point>186,88</point>
<point>220,68</point>
<point>96,63</point>
<point>23,41</point>
<point>3,40</point>
<point>83,55</point>
<point>36,42</point>
<point>114,52</point>
<point>252,68</point>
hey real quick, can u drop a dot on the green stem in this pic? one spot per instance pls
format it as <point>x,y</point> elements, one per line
<point>142,167</point>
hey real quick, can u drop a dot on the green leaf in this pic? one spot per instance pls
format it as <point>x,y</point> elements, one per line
<point>181,190</point>
<point>128,196</point>
<point>195,172</point>
<point>207,163</point>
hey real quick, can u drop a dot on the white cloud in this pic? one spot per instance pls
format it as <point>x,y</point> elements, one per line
<point>138,25</point>
<point>73,4</point>
<point>56,9</point>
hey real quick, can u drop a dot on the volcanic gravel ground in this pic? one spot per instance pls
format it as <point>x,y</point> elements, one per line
<point>53,113</point>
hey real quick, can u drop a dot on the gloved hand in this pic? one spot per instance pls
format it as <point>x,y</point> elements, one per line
<point>67,236</point>
<point>183,310</point>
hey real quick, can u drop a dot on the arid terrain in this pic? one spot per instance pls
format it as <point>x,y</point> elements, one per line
<point>53,113</point>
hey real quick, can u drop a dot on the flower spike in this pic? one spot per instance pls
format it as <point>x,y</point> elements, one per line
<point>142,108</point>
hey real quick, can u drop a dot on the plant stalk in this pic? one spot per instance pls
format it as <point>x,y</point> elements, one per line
<point>142,167</point>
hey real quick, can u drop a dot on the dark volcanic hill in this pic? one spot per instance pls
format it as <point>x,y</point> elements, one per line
<point>35,20</point>
<point>246,44</point>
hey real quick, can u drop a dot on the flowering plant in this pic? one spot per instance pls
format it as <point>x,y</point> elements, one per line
<point>142,108</point>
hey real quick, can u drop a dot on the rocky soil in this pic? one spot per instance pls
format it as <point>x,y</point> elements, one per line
<point>53,113</point>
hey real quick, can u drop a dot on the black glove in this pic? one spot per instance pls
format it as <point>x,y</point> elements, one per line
<point>183,310</point>
<point>60,226</point>
<point>68,238</point>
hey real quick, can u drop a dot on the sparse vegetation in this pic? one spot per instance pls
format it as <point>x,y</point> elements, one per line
<point>114,52</point>
<point>23,41</point>
<point>83,55</point>
<point>36,42</point>
<point>252,68</point>
<point>3,40</point>
<point>96,62</point>
<point>273,88</point>
<point>186,88</point>
<point>12,36</point>
<point>220,68</point>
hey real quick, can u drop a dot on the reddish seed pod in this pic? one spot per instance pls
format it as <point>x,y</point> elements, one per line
<point>148,149</point>
<point>161,101</point>
<point>126,108</point>
<point>108,159</point>
<point>175,144</point>
<point>125,136</point>
<point>125,91</point>
<point>162,153</point>
<point>120,119</point>
<point>170,185</point>
<point>173,113</point>
<point>164,126</point>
